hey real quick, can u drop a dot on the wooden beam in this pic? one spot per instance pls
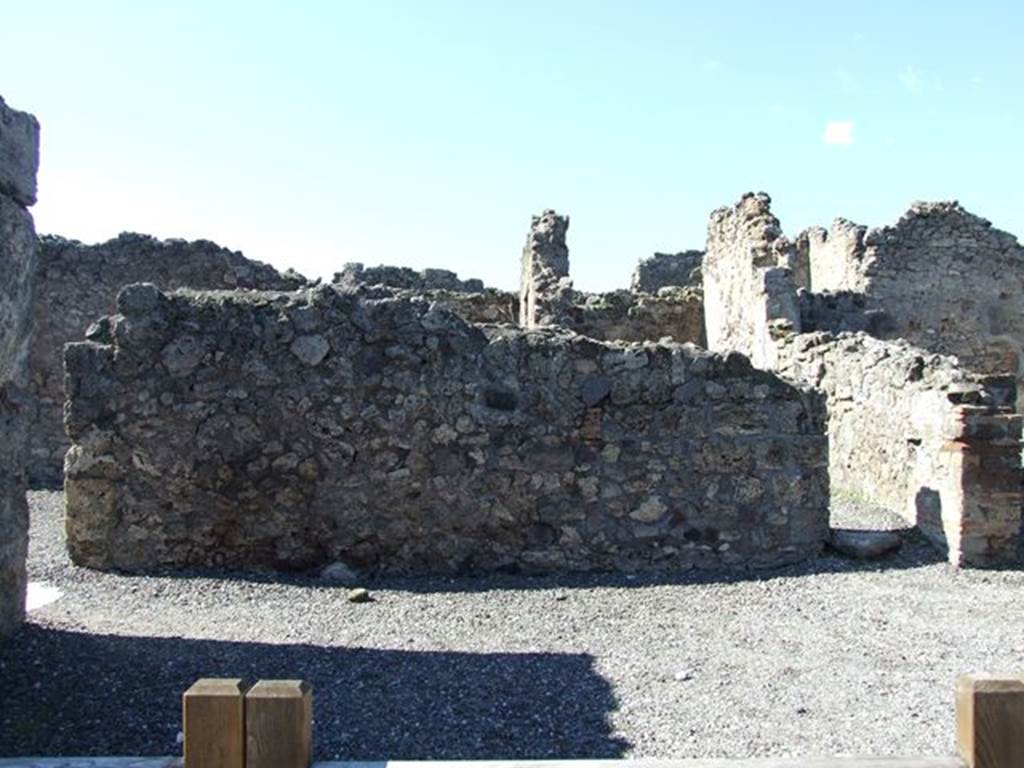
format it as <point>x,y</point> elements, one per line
<point>279,724</point>
<point>214,724</point>
<point>990,720</point>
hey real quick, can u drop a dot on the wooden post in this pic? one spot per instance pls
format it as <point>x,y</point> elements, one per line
<point>279,724</point>
<point>214,724</point>
<point>990,720</point>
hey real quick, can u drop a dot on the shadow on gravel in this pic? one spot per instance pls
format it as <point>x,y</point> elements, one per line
<point>71,693</point>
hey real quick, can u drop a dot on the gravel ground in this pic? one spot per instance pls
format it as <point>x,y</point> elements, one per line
<point>828,657</point>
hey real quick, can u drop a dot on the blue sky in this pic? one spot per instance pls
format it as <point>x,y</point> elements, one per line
<point>426,133</point>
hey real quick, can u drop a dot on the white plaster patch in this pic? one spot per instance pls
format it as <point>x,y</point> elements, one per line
<point>39,594</point>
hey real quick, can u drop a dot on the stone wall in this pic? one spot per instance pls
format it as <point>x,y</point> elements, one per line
<point>947,280</point>
<point>295,429</point>
<point>354,273</point>
<point>668,270</point>
<point>835,258</point>
<point>19,160</point>
<point>749,293</point>
<point>545,290</point>
<point>913,431</point>
<point>79,283</point>
<point>909,429</point>
<point>674,313</point>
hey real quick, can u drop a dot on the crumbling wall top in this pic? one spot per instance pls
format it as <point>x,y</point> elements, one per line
<point>668,270</point>
<point>355,273</point>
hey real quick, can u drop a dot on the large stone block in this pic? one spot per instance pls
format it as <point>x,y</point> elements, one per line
<point>19,155</point>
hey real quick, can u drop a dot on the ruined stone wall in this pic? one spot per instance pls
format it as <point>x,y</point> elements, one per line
<point>836,257</point>
<point>946,279</point>
<point>354,274</point>
<point>668,270</point>
<point>545,290</point>
<point>295,429</point>
<point>909,429</point>
<point>79,283</point>
<point>675,313</point>
<point>19,160</point>
<point>749,293</point>
<point>841,312</point>
<point>913,431</point>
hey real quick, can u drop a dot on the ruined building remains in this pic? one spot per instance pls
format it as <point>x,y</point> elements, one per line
<point>19,160</point>
<point>206,410</point>
<point>942,278</point>
<point>295,429</point>
<point>77,284</point>
<point>921,433</point>
<point>668,270</point>
<point>545,288</point>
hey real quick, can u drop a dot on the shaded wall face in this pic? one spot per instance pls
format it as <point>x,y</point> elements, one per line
<point>19,156</point>
<point>298,429</point>
<point>77,284</point>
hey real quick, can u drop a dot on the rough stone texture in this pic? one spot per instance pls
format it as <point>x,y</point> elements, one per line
<point>946,279</point>
<point>907,428</point>
<point>913,431</point>
<point>489,305</point>
<point>354,274</point>
<point>79,283</point>
<point>668,270</point>
<point>19,155</point>
<point>835,259</point>
<point>545,290</point>
<point>419,443</point>
<point>749,294</point>
<point>19,143</point>
<point>840,312</point>
<point>675,313</point>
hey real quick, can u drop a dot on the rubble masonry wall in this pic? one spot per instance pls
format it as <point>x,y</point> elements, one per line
<point>296,429</point>
<point>946,280</point>
<point>909,429</point>
<point>77,284</point>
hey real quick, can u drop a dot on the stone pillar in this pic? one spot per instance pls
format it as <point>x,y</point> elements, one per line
<point>545,290</point>
<point>750,300</point>
<point>19,159</point>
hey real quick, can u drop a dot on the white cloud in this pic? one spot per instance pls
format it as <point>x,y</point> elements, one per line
<point>839,132</point>
<point>910,79</point>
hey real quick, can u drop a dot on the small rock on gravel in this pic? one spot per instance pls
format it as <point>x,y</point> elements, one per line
<point>359,595</point>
